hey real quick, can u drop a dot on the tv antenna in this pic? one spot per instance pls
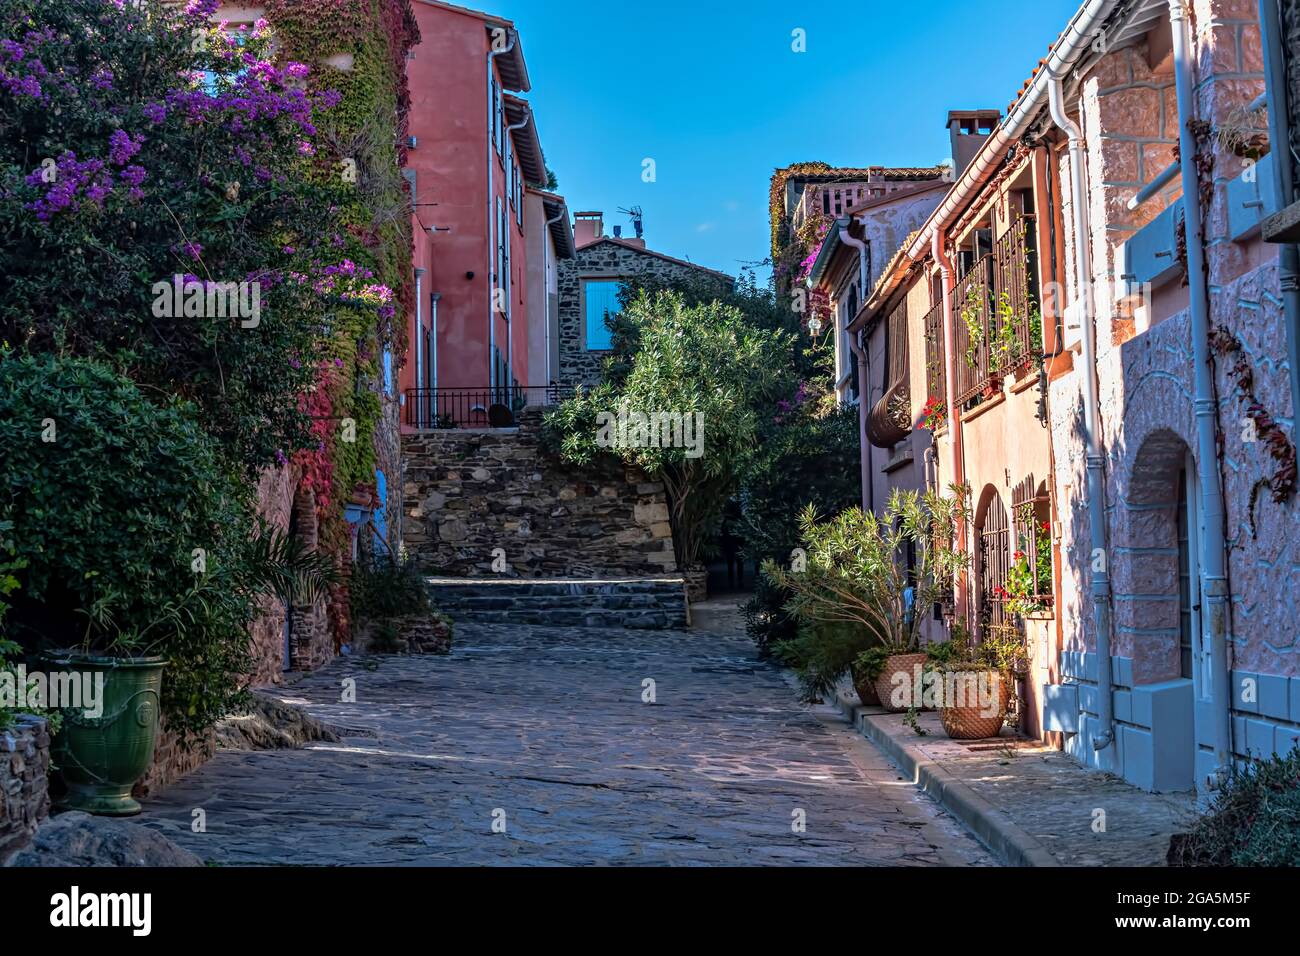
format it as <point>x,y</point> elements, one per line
<point>637,218</point>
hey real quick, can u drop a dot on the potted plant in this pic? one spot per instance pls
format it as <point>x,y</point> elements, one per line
<point>1029,586</point>
<point>973,683</point>
<point>142,553</point>
<point>852,577</point>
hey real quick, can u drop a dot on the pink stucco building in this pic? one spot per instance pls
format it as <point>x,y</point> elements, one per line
<point>478,174</point>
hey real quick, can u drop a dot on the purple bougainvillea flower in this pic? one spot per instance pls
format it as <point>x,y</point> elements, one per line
<point>122,146</point>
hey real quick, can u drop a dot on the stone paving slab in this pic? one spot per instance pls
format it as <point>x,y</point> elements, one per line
<point>546,730</point>
<point>1034,799</point>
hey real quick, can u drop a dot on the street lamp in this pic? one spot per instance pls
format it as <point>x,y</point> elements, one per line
<point>814,326</point>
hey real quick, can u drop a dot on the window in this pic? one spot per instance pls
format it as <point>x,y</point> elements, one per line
<point>519,198</point>
<point>494,114</point>
<point>500,121</point>
<point>213,83</point>
<point>503,259</point>
<point>601,298</point>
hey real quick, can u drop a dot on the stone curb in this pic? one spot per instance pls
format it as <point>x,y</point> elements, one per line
<point>1010,843</point>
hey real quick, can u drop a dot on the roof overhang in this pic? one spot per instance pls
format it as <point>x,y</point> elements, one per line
<point>527,144</point>
<point>1073,46</point>
<point>511,66</point>
<point>557,214</point>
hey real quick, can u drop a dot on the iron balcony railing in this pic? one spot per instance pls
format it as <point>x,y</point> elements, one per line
<point>936,370</point>
<point>996,318</point>
<point>493,406</point>
<point>972,304</point>
<point>890,419</point>
<point>1017,326</point>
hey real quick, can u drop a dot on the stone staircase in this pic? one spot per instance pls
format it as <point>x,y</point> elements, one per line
<point>644,603</point>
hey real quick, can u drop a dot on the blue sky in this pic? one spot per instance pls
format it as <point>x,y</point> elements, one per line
<point>714,94</point>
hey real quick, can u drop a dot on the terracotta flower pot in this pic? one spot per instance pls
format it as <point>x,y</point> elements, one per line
<point>865,687</point>
<point>885,683</point>
<point>965,718</point>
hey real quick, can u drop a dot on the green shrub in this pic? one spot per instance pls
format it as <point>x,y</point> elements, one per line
<point>136,539</point>
<point>767,622</point>
<point>389,588</point>
<point>823,652</point>
<point>1254,819</point>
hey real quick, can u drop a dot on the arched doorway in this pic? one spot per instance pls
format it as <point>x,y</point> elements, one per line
<point>1157,602</point>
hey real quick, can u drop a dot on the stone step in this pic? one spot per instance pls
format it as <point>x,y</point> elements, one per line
<point>561,602</point>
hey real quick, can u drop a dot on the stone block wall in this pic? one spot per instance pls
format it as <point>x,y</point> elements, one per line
<point>609,259</point>
<point>24,782</point>
<point>1146,393</point>
<point>468,493</point>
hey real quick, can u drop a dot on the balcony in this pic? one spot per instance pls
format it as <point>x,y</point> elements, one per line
<point>997,323</point>
<point>936,371</point>
<point>833,199</point>
<point>495,406</point>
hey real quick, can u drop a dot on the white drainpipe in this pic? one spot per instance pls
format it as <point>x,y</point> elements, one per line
<point>420,398</point>
<point>947,281</point>
<point>1091,416</point>
<point>1214,579</point>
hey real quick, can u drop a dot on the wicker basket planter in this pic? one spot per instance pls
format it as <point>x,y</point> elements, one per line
<point>896,664</point>
<point>865,687</point>
<point>972,722</point>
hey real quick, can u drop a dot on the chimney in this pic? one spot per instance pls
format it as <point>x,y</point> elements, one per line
<point>968,129</point>
<point>618,232</point>
<point>588,227</point>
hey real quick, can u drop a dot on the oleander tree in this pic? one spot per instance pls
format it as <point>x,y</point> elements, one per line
<point>700,362</point>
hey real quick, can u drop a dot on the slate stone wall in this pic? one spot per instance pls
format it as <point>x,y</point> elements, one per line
<point>468,493</point>
<point>604,260</point>
<point>24,782</point>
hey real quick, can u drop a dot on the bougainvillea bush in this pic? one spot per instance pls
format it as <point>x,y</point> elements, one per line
<point>152,160</point>
<point>140,144</point>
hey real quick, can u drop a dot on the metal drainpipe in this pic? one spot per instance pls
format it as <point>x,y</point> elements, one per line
<point>1214,583</point>
<point>1279,134</point>
<point>420,396</point>
<point>491,195</point>
<point>546,289</point>
<point>860,352</point>
<point>947,283</point>
<point>1091,417</point>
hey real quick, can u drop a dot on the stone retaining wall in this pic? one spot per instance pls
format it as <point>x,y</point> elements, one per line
<point>24,782</point>
<point>467,494</point>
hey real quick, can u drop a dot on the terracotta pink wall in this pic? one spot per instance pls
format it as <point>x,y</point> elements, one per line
<point>450,118</point>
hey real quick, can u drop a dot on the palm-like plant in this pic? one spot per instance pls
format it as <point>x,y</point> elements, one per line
<point>854,569</point>
<point>284,566</point>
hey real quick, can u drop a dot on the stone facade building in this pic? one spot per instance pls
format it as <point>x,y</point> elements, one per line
<point>1152,410</point>
<point>588,289</point>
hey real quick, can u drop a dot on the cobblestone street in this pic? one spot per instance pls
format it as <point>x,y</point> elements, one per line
<point>545,731</point>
